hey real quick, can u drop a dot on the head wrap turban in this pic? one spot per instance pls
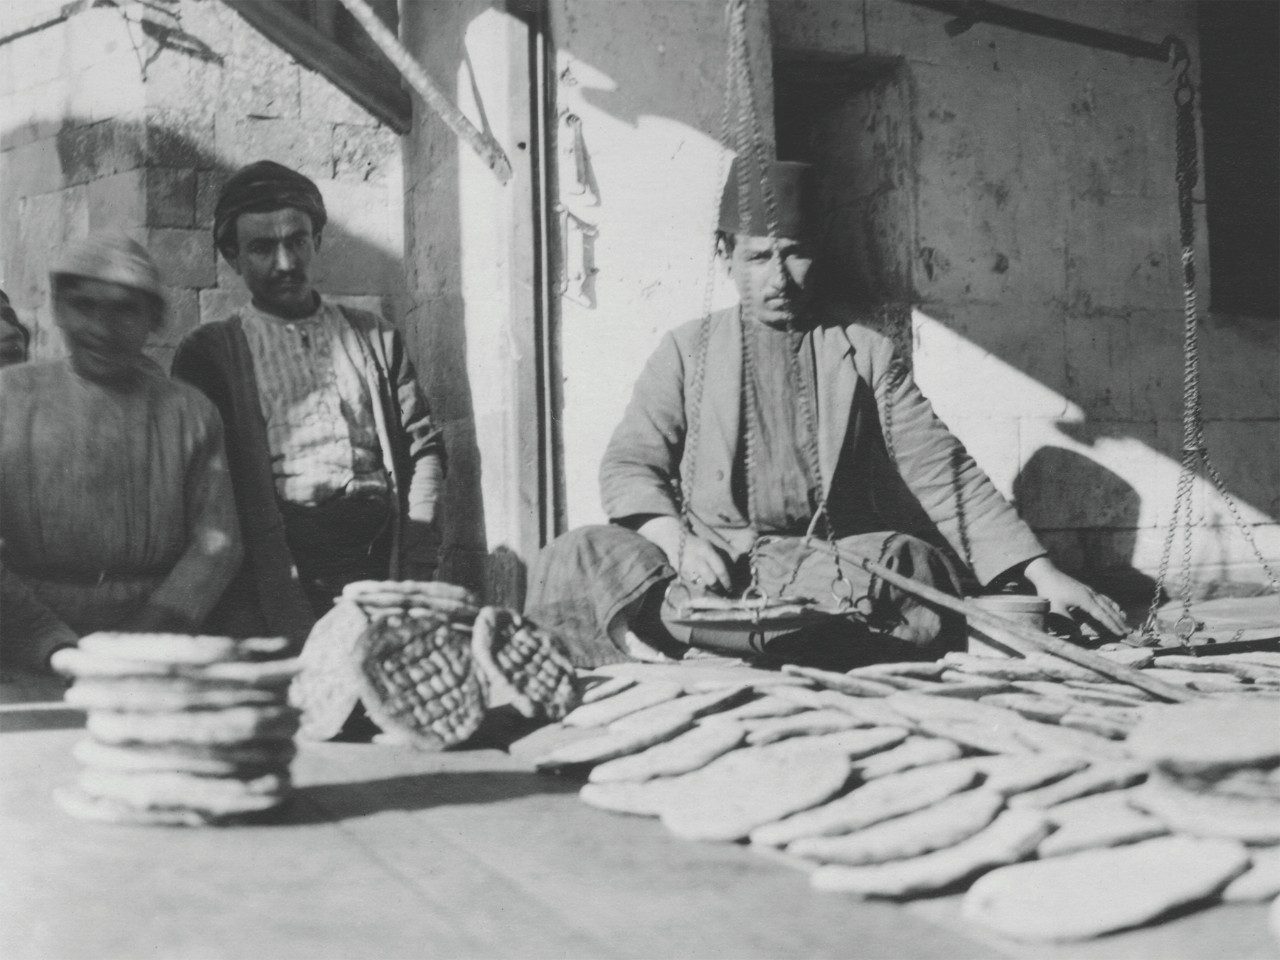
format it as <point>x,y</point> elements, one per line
<point>113,258</point>
<point>262,187</point>
<point>790,182</point>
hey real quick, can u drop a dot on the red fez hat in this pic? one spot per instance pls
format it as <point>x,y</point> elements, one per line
<point>790,183</point>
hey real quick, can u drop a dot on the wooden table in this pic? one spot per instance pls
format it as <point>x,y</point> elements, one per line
<point>386,852</point>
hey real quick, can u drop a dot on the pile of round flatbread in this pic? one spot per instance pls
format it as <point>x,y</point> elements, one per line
<point>426,663</point>
<point>1067,804</point>
<point>181,730</point>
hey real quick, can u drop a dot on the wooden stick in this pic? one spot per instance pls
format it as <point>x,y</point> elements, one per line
<point>1021,637</point>
<point>485,146</point>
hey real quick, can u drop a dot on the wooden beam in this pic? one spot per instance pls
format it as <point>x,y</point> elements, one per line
<point>485,146</point>
<point>375,87</point>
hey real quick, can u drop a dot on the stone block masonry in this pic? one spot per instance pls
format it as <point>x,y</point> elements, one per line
<point>133,117</point>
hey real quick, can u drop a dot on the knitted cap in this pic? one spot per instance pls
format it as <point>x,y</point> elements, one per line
<point>110,257</point>
<point>261,187</point>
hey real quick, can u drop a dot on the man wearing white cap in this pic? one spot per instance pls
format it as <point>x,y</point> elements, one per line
<point>774,424</point>
<point>116,510</point>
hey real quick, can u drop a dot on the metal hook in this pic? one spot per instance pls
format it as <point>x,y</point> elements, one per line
<point>843,597</point>
<point>1186,627</point>
<point>672,587</point>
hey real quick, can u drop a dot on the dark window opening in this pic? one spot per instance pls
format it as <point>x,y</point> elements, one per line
<point>1240,110</point>
<point>851,118</point>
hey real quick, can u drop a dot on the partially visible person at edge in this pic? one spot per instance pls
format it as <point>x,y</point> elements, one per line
<point>15,338</point>
<point>116,510</point>
<point>336,463</point>
<point>793,407</point>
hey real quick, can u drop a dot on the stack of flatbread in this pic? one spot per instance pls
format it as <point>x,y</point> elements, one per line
<point>1068,804</point>
<point>181,730</point>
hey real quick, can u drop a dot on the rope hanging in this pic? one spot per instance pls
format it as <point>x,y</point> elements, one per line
<point>742,130</point>
<point>1195,452</point>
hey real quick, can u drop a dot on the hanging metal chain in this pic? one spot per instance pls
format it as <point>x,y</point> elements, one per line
<point>758,153</point>
<point>1194,450</point>
<point>693,403</point>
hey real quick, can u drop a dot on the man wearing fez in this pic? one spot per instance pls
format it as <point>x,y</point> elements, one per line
<point>779,424</point>
<point>336,463</point>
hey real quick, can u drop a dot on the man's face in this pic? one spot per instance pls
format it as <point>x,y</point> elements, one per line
<point>770,276</point>
<point>105,325</point>
<point>273,254</point>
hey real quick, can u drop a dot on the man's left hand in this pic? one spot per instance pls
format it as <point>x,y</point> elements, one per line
<point>1067,595</point>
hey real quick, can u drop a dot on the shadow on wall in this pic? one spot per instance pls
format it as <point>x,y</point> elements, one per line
<point>160,184</point>
<point>435,325</point>
<point>1054,475</point>
<point>974,230</point>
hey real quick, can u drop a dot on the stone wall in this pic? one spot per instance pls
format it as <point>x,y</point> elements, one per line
<point>1044,269</point>
<point>470,263</point>
<point>1034,230</point>
<point>131,117</point>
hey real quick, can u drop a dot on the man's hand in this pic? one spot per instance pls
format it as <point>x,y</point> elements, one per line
<point>1067,595</point>
<point>703,564</point>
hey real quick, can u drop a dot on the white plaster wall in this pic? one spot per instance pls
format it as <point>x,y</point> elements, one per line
<point>646,79</point>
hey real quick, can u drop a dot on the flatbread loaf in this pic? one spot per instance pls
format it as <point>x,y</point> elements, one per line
<point>809,723</point>
<point>83,806</point>
<point>603,689</point>
<point>160,790</point>
<point>636,798</point>
<point>1097,778</point>
<point>74,662</point>
<point>637,698</point>
<point>165,694</point>
<point>161,647</point>
<point>741,790</point>
<point>1112,827</point>
<point>689,751</point>
<point>1208,813</point>
<point>893,795</point>
<point>758,709</point>
<point>1030,773</point>
<point>328,687</point>
<point>242,760</point>
<point>1260,882</point>
<point>1099,891</point>
<point>1013,836</point>
<point>934,828</point>
<point>610,744</point>
<point>690,707</point>
<point>1209,735</point>
<point>911,753</point>
<point>232,725</point>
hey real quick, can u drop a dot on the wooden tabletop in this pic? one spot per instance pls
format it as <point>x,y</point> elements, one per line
<point>387,852</point>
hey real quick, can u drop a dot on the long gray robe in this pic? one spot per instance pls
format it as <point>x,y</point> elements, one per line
<point>888,464</point>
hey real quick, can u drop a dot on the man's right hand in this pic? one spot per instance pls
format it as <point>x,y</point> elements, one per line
<point>702,564</point>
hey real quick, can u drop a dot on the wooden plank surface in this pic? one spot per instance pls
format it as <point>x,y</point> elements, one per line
<point>387,852</point>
